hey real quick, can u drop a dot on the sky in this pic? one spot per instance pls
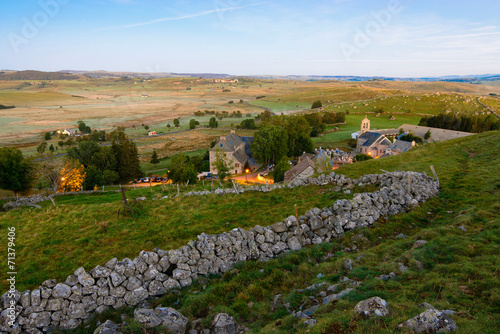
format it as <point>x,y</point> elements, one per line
<point>395,38</point>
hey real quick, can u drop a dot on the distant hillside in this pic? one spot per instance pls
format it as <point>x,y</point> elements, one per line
<point>37,75</point>
<point>72,74</point>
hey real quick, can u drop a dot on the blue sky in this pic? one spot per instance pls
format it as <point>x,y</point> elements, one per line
<point>404,38</point>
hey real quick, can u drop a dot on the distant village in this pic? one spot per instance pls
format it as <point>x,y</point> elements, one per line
<point>373,143</point>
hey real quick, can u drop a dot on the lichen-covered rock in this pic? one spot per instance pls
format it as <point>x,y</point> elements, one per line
<point>61,291</point>
<point>172,320</point>
<point>85,279</point>
<point>136,296</point>
<point>109,327</point>
<point>147,317</point>
<point>223,323</point>
<point>372,306</point>
<point>162,316</point>
<point>430,321</point>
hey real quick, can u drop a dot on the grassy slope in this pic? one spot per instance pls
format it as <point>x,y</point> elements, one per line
<point>460,269</point>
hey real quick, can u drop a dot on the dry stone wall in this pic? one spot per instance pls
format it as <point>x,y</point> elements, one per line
<point>117,283</point>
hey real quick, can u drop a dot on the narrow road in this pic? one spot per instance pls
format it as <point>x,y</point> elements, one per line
<point>488,107</point>
<point>253,105</point>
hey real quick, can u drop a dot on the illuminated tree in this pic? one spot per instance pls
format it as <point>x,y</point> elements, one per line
<point>72,177</point>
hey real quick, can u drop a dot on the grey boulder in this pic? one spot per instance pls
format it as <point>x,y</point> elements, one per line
<point>430,321</point>
<point>109,327</point>
<point>223,323</point>
<point>162,316</point>
<point>372,306</point>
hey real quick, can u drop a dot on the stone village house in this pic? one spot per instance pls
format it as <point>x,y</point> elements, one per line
<point>237,150</point>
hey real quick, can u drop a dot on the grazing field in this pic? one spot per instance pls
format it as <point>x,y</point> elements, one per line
<point>459,268</point>
<point>105,104</point>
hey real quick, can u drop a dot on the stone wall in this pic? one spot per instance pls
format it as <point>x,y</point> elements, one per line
<point>128,282</point>
<point>35,199</point>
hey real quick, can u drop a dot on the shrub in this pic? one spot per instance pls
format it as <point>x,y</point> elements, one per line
<point>362,157</point>
<point>316,104</point>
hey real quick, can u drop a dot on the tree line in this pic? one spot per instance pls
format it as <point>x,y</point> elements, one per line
<point>466,123</point>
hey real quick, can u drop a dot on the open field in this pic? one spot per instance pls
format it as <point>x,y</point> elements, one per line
<point>459,268</point>
<point>105,104</point>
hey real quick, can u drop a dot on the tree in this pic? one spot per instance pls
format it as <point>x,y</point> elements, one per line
<point>427,134</point>
<point>281,167</point>
<point>168,125</point>
<point>93,177</point>
<point>51,170</point>
<point>110,176</point>
<point>146,127</point>
<point>302,144</point>
<point>16,172</point>
<point>84,152</point>
<point>222,164</point>
<point>265,116</point>
<point>248,124</point>
<point>60,143</point>
<point>333,117</point>
<point>83,128</point>
<point>180,170</point>
<point>72,177</point>
<point>314,119</point>
<point>270,144</point>
<point>51,148</point>
<point>154,158</point>
<point>411,137</point>
<point>193,123</point>
<point>213,123</point>
<point>316,104</point>
<point>41,148</point>
<point>105,159</point>
<point>297,129</point>
<point>176,122</point>
<point>47,136</point>
<point>127,157</point>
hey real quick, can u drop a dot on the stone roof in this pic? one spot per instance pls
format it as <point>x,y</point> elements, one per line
<point>298,169</point>
<point>436,133</point>
<point>400,146</point>
<point>373,137</point>
<point>240,156</point>
<point>306,155</point>
<point>229,143</point>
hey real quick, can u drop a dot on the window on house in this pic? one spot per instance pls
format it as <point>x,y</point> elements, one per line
<point>236,165</point>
